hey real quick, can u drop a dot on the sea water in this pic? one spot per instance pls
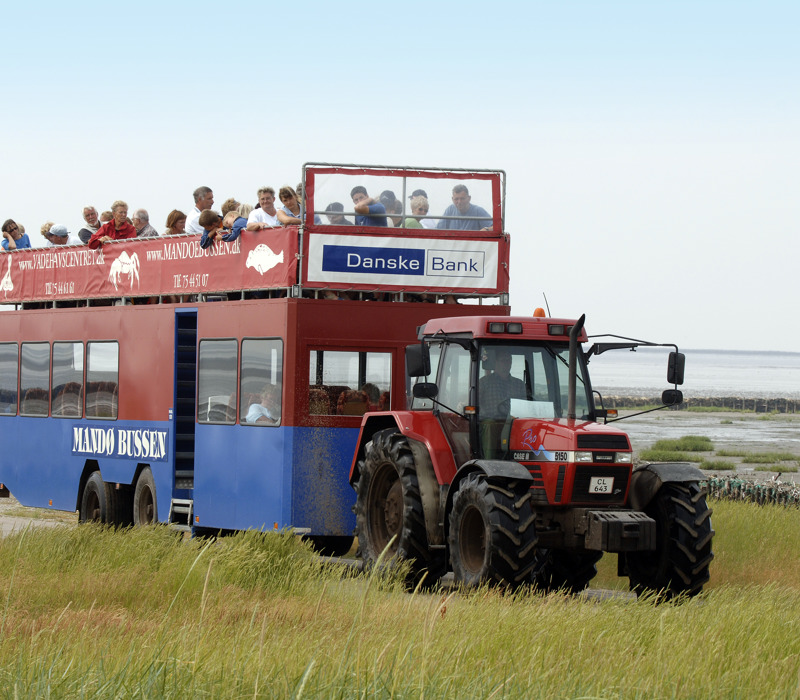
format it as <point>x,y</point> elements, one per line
<point>749,374</point>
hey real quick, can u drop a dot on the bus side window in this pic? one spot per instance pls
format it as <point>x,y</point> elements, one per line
<point>261,383</point>
<point>9,362</point>
<point>35,379</point>
<point>216,381</point>
<point>102,379</point>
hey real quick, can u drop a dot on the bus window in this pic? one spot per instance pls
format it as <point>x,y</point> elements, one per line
<point>260,381</point>
<point>349,383</point>
<point>216,381</point>
<point>9,358</point>
<point>35,379</point>
<point>102,379</point>
<point>65,397</point>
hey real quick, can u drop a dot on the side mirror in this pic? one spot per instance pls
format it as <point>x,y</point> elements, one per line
<point>418,360</point>
<point>677,361</point>
<point>672,397</point>
<point>425,390</point>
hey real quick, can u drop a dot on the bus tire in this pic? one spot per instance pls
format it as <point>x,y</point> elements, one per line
<point>94,504</point>
<point>679,564</point>
<point>145,504</point>
<point>389,505</point>
<point>492,538</point>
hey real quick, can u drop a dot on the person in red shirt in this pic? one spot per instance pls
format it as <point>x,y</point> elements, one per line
<point>118,228</point>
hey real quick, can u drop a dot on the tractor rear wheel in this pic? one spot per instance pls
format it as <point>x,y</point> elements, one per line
<point>679,564</point>
<point>557,570</point>
<point>389,505</point>
<point>492,536</point>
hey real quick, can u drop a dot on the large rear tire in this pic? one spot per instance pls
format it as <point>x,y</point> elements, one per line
<point>145,503</point>
<point>389,504</point>
<point>561,570</point>
<point>94,501</point>
<point>492,536</point>
<point>679,564</point>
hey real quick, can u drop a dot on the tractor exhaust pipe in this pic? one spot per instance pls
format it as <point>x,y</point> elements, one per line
<point>573,365</point>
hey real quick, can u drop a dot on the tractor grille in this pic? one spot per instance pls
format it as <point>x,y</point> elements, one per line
<point>603,442</point>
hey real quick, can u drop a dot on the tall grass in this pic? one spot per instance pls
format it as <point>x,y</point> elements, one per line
<point>89,612</point>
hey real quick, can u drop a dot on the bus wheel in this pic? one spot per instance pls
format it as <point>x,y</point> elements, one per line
<point>492,536</point>
<point>389,514</point>
<point>145,505</point>
<point>94,505</point>
<point>331,545</point>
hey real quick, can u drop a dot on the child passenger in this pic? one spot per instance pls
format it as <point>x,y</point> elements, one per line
<point>216,227</point>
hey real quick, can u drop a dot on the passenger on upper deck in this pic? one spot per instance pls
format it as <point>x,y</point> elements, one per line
<point>425,223</point>
<point>13,238</point>
<point>92,224</point>
<point>266,216</point>
<point>290,212</point>
<point>116,229</point>
<point>419,208</point>
<point>176,223</point>
<point>141,222</point>
<point>58,235</point>
<point>334,215</point>
<point>203,201</point>
<point>461,207</point>
<point>393,207</point>
<point>229,204</point>
<point>368,211</point>
<point>213,230</point>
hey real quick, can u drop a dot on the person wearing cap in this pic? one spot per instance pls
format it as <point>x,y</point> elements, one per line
<point>333,212</point>
<point>461,206</point>
<point>393,207</point>
<point>368,211</point>
<point>117,229</point>
<point>59,235</point>
<point>92,224</point>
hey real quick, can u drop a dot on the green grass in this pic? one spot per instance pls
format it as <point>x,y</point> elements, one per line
<point>718,465</point>
<point>653,455</point>
<point>732,453</point>
<point>688,443</point>
<point>749,457</point>
<point>93,613</point>
<point>783,468</point>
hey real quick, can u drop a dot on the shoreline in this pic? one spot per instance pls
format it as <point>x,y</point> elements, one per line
<point>748,402</point>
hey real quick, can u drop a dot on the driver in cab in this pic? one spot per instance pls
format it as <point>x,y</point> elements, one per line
<point>495,392</point>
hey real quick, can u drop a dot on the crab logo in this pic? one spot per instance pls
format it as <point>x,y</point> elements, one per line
<point>263,259</point>
<point>124,265</point>
<point>6,284</point>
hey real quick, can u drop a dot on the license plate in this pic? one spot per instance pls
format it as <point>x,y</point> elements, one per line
<point>601,484</point>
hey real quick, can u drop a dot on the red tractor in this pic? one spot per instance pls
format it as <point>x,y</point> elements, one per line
<point>501,472</point>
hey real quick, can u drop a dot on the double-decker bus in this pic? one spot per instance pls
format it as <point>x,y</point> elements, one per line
<point>217,389</point>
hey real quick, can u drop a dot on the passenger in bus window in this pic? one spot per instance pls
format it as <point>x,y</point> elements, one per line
<point>265,216</point>
<point>13,238</point>
<point>92,224</point>
<point>269,410</point>
<point>203,201</point>
<point>176,223</point>
<point>368,211</point>
<point>117,229</point>
<point>462,206</point>
<point>334,215</point>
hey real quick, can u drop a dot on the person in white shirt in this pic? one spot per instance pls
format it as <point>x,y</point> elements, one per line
<point>269,410</point>
<point>266,216</point>
<point>58,235</point>
<point>203,200</point>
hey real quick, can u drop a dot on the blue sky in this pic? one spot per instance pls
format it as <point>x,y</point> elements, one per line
<point>652,149</point>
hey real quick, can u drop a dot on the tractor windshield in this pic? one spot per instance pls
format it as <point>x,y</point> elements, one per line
<point>529,382</point>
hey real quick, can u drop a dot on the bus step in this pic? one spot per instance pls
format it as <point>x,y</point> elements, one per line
<point>180,513</point>
<point>184,455</point>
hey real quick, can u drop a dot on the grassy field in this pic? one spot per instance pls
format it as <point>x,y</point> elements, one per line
<point>88,612</point>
